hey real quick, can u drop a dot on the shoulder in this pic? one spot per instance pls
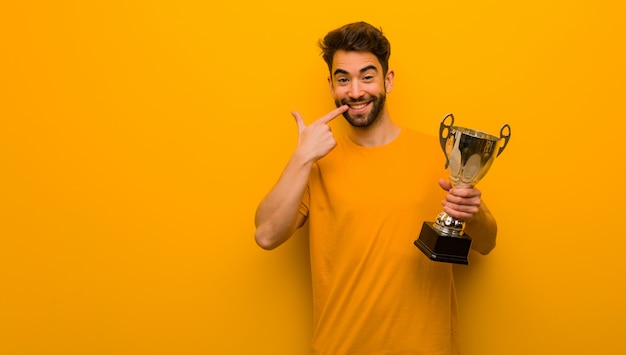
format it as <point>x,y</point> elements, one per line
<point>417,138</point>
<point>425,149</point>
<point>416,134</point>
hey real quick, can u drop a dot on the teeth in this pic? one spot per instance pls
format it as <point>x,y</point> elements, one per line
<point>357,107</point>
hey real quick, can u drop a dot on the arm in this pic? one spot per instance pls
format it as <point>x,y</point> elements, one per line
<point>277,216</point>
<point>465,203</point>
<point>483,230</point>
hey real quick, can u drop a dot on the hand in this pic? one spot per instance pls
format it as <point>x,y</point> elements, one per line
<point>462,202</point>
<point>316,140</point>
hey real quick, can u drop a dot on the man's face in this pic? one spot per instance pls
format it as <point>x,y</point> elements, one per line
<point>357,81</point>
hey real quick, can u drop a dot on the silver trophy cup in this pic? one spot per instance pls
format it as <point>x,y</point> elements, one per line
<point>469,155</point>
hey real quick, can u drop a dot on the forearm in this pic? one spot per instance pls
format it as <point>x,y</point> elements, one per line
<point>277,216</point>
<point>482,228</point>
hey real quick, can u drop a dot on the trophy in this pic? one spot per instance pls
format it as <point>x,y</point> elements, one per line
<point>469,155</point>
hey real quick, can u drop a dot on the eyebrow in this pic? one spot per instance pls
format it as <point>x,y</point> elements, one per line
<point>363,70</point>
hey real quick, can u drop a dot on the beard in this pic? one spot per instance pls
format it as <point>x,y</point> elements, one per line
<point>363,120</point>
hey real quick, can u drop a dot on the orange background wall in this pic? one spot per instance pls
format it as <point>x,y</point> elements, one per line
<point>137,137</point>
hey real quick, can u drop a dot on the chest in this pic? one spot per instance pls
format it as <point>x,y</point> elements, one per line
<point>389,183</point>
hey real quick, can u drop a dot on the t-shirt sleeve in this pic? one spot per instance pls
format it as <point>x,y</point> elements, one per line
<point>306,200</point>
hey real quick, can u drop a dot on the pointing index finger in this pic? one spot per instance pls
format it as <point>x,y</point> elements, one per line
<point>332,114</point>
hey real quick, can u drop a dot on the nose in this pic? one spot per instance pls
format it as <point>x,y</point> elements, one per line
<point>355,90</point>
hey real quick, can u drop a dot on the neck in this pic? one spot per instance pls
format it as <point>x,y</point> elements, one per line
<point>380,133</point>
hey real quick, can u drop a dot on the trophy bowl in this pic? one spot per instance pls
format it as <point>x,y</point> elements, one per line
<point>469,155</point>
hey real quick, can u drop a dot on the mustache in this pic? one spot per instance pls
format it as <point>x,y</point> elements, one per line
<point>348,101</point>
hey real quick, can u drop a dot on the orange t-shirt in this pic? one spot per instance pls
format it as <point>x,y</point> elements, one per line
<point>374,292</point>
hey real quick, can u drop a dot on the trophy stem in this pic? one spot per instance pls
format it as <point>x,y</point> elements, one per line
<point>448,226</point>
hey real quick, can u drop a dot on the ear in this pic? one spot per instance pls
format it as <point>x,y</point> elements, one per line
<point>389,80</point>
<point>331,86</point>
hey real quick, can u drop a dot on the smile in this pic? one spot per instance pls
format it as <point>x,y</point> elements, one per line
<point>358,106</point>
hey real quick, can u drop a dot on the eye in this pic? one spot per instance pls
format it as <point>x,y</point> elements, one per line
<point>368,77</point>
<point>342,80</point>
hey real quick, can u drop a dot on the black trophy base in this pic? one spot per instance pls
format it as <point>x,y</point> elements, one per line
<point>443,248</point>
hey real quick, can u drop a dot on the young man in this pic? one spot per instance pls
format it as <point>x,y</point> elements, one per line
<point>366,196</point>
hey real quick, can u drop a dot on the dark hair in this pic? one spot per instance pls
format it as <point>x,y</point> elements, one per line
<point>359,37</point>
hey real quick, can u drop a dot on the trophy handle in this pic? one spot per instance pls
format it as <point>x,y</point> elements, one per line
<point>444,139</point>
<point>505,132</point>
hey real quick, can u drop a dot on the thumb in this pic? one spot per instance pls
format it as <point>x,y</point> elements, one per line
<point>299,121</point>
<point>445,185</point>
